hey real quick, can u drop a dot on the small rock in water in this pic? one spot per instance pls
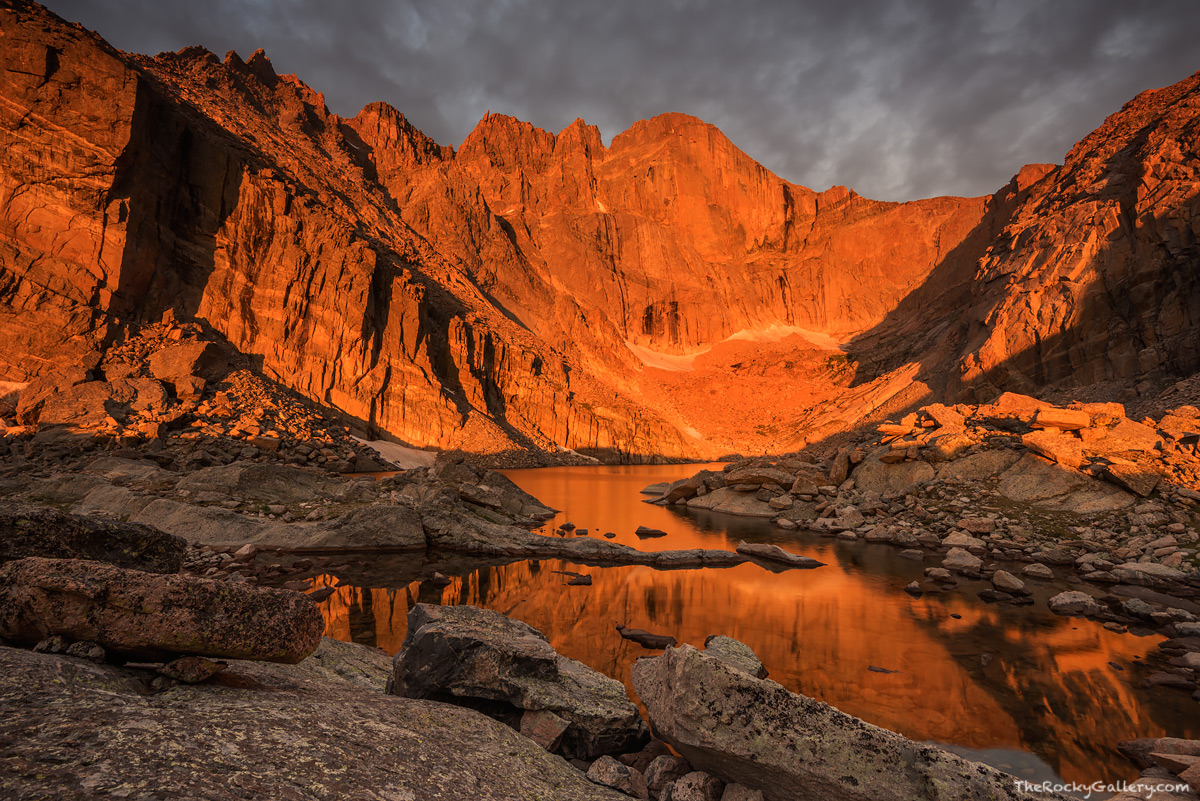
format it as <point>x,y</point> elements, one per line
<point>645,531</point>
<point>581,532</point>
<point>580,581</point>
<point>322,594</point>
<point>914,588</point>
<point>1116,666</point>
<point>568,526</point>
<point>986,659</point>
<point>645,638</point>
<point>439,580</point>
<point>610,534</point>
<point>877,669</point>
<point>956,615</point>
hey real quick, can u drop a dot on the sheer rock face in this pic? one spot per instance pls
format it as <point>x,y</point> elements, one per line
<point>1094,277</point>
<point>490,299</point>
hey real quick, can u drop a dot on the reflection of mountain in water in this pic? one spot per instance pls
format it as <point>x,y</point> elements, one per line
<point>1048,690</point>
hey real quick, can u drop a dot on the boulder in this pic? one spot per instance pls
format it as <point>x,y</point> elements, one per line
<point>737,655</point>
<point>202,359</point>
<point>480,658</point>
<point>611,773</point>
<point>1054,487</point>
<point>961,561</point>
<point>1062,448</point>
<point>754,732</point>
<point>740,792</point>
<point>695,786</point>
<point>39,531</point>
<point>874,475</point>
<point>1063,419</point>
<point>730,501</point>
<point>1007,582</point>
<point>979,466</point>
<point>1138,480</point>
<point>1074,602</point>
<point>37,392</point>
<point>760,475</point>
<point>775,554</point>
<point>151,616</point>
<point>665,770</point>
<point>1037,571</point>
<point>322,729</point>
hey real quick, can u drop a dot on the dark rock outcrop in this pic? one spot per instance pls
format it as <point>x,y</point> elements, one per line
<point>480,658</point>
<point>151,616</point>
<point>39,531</point>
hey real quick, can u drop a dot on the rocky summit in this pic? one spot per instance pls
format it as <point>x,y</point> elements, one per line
<point>256,354</point>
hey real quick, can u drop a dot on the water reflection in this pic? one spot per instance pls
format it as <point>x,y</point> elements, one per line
<point>999,680</point>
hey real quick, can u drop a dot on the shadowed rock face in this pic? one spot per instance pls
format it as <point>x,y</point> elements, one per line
<point>491,299</point>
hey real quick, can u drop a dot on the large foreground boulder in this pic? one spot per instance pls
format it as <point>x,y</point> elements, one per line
<point>480,658</point>
<point>38,531</point>
<point>154,617</point>
<point>320,731</point>
<point>752,731</point>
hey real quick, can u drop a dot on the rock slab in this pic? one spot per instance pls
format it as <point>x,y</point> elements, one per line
<point>754,732</point>
<point>151,616</point>
<point>480,658</point>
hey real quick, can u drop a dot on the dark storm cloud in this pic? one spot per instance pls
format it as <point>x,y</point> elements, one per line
<point>896,99</point>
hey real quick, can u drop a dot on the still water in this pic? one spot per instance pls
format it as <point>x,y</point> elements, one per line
<point>1018,687</point>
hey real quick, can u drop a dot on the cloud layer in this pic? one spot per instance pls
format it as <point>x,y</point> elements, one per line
<point>899,99</point>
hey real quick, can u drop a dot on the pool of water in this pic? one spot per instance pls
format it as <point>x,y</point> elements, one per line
<point>1033,693</point>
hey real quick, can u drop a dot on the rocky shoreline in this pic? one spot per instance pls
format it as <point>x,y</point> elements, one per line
<point>1014,492</point>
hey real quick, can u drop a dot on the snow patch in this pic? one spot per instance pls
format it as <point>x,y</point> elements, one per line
<point>403,457</point>
<point>778,331</point>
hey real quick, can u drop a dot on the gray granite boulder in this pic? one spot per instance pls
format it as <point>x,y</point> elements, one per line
<point>480,658</point>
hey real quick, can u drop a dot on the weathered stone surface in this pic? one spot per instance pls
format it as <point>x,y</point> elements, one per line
<point>39,531</point>
<point>961,561</point>
<point>695,786</point>
<point>89,730</point>
<point>791,746</point>
<point>1034,481</point>
<point>777,555</point>
<point>730,501</point>
<point>645,638</point>
<point>611,773</point>
<point>152,616</point>
<point>270,483</point>
<point>1138,480</point>
<point>875,476</point>
<point>1074,602</point>
<point>664,770</point>
<point>204,360</point>
<point>1062,448</point>
<point>1064,419</point>
<point>737,655</point>
<point>476,656</point>
<point>1003,580</point>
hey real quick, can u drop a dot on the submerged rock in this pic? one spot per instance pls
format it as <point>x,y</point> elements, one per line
<point>154,617</point>
<point>480,658</point>
<point>754,732</point>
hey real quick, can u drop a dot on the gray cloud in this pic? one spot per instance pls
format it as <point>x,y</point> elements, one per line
<point>898,99</point>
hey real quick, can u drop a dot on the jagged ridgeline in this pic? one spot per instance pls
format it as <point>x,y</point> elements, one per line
<point>532,291</point>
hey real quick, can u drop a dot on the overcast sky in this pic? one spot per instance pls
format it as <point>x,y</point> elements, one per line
<point>898,99</point>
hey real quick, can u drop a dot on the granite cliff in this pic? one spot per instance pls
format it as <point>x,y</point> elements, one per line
<point>663,296</point>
